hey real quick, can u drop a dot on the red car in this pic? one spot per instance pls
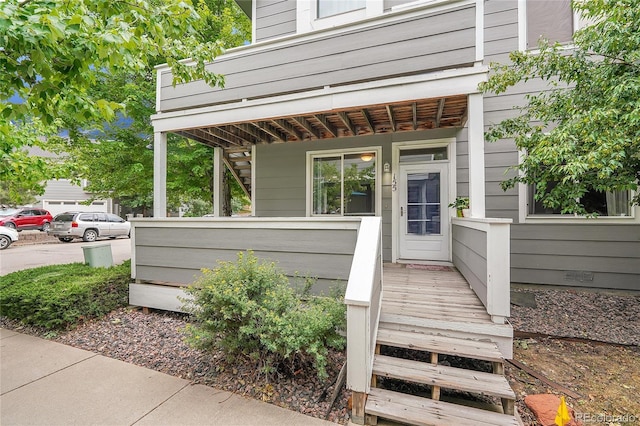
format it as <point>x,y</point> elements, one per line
<point>22,219</point>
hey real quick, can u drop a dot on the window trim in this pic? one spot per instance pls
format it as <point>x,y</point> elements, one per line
<point>525,217</point>
<point>307,11</point>
<point>310,155</point>
<point>307,16</point>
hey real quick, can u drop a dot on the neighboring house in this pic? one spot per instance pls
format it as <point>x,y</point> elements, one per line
<point>62,195</point>
<point>352,125</point>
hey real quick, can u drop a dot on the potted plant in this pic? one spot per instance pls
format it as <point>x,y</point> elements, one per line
<point>461,204</point>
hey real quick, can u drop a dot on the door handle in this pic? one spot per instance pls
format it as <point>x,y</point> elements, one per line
<point>401,211</point>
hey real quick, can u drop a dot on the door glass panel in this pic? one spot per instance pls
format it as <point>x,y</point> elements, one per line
<point>423,203</point>
<point>423,154</point>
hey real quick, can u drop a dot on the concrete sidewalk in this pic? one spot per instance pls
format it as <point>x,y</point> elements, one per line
<point>47,383</point>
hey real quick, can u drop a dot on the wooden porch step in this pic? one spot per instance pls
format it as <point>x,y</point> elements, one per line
<point>422,411</point>
<point>443,376</point>
<point>474,349</point>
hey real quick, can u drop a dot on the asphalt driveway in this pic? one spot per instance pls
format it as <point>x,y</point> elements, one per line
<point>18,257</point>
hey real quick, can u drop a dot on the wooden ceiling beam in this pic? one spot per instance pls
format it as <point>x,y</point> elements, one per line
<point>265,127</point>
<point>230,138</point>
<point>203,139</point>
<point>288,128</point>
<point>304,123</point>
<point>439,113</point>
<point>347,122</point>
<point>232,132</point>
<point>392,121</point>
<point>256,136</point>
<point>328,126</point>
<point>367,119</point>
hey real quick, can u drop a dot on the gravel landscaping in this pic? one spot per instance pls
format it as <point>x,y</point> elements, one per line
<point>604,317</point>
<point>155,341</point>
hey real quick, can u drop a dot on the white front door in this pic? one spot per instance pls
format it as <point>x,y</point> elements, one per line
<point>424,216</point>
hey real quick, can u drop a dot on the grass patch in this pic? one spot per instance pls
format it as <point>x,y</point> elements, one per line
<point>59,296</point>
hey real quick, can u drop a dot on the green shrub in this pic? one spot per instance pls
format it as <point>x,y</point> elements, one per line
<point>249,308</point>
<point>61,295</point>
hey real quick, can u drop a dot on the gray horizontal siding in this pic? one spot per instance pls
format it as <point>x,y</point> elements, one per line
<point>501,28</point>
<point>275,18</point>
<point>584,255</point>
<point>431,41</point>
<point>470,257</point>
<point>501,37</point>
<point>177,255</point>
<point>280,189</point>
<point>63,190</point>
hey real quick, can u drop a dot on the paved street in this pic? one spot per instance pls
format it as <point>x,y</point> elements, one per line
<point>18,257</point>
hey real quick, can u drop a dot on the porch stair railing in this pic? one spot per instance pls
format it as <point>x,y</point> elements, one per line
<point>431,336</point>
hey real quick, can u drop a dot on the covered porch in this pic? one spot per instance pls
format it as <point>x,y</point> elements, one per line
<point>457,311</point>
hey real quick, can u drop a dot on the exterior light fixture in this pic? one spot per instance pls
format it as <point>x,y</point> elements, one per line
<point>366,157</point>
<point>387,167</point>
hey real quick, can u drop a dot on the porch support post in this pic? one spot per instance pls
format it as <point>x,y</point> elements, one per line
<point>476,156</point>
<point>159,174</point>
<point>218,179</point>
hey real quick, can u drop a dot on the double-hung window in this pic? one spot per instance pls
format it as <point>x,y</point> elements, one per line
<point>344,184</point>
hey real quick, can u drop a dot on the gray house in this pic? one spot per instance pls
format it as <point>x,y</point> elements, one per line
<point>62,195</point>
<point>352,125</point>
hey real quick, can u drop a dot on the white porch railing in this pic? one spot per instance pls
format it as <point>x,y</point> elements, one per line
<point>481,250</point>
<point>363,299</point>
<point>169,253</point>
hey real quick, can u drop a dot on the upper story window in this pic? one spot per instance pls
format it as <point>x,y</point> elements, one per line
<point>334,7</point>
<point>549,19</point>
<point>314,15</point>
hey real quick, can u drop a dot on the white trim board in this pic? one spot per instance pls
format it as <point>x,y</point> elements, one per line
<point>399,89</point>
<point>395,167</point>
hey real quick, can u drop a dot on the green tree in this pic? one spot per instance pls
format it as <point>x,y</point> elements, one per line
<point>116,162</point>
<point>583,133</point>
<point>22,174</point>
<point>53,51</point>
<point>109,87</point>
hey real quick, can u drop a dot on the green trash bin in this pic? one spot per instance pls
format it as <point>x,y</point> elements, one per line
<point>98,256</point>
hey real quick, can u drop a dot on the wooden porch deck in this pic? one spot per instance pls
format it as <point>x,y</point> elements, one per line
<point>438,300</point>
<point>431,293</point>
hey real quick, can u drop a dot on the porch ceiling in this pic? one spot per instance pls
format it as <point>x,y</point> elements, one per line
<point>237,138</point>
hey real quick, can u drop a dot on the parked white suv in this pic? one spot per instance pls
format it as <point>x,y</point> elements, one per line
<point>88,226</point>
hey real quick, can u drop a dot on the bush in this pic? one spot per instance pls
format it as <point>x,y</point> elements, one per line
<point>249,308</point>
<point>61,295</point>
